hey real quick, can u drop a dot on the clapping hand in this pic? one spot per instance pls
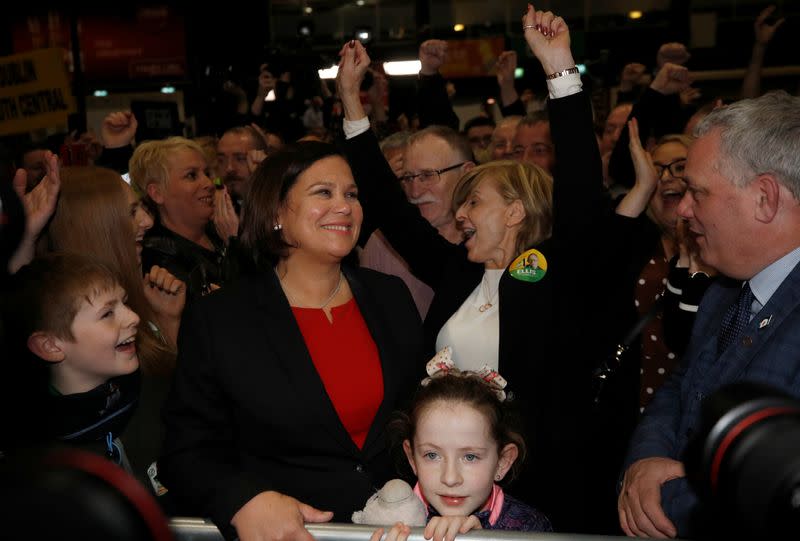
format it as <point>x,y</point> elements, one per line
<point>226,222</point>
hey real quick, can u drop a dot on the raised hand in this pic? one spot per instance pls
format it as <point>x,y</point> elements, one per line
<point>690,95</point>
<point>633,74</point>
<point>226,222</point>
<point>548,38</point>
<point>39,205</point>
<point>353,64</point>
<point>642,161</point>
<point>254,159</point>
<point>432,54</point>
<point>671,79</point>
<point>672,53</point>
<point>118,129</point>
<point>506,66</point>
<point>637,199</point>
<point>40,202</point>
<point>167,296</point>
<point>763,30</point>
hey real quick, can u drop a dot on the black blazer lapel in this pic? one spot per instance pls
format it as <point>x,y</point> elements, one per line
<point>288,346</point>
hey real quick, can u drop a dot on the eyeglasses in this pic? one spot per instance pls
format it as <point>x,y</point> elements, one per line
<point>539,149</point>
<point>428,176</point>
<point>676,168</point>
<point>482,141</point>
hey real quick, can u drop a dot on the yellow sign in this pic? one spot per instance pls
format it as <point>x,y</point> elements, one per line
<point>34,91</point>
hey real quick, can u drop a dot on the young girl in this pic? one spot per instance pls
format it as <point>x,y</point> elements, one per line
<point>461,440</point>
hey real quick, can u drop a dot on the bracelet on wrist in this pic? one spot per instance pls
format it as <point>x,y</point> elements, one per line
<point>568,71</point>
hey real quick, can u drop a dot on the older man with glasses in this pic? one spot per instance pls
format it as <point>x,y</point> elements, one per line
<point>434,160</point>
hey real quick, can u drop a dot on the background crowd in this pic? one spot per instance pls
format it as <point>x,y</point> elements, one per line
<point>237,319</point>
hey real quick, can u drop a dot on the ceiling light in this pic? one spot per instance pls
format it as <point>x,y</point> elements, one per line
<point>402,67</point>
<point>167,89</point>
<point>359,2</point>
<point>458,27</point>
<point>100,93</point>
<point>635,14</point>
<point>328,73</point>
<point>308,9</point>
<point>519,73</point>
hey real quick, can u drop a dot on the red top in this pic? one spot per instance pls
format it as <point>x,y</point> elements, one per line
<point>347,361</point>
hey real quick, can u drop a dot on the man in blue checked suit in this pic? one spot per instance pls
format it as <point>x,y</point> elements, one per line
<point>743,205</point>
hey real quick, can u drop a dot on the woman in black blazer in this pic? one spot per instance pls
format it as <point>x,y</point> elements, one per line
<point>549,330</point>
<point>260,433</point>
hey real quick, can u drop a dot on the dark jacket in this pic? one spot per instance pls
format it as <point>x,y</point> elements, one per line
<point>249,413</point>
<point>197,266</point>
<point>551,331</point>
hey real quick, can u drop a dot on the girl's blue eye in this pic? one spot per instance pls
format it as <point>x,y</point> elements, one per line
<point>431,455</point>
<point>470,457</point>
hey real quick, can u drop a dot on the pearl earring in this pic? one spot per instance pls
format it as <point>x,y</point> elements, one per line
<point>277,227</point>
<point>498,477</point>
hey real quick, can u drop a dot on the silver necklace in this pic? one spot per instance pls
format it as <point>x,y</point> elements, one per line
<point>324,304</point>
<point>488,295</point>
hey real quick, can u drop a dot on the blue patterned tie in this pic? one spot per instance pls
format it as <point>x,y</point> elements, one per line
<point>736,319</point>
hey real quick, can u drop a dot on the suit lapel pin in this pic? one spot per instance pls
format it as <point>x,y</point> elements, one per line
<point>765,322</point>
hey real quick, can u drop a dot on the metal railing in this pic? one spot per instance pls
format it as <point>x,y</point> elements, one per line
<point>198,529</point>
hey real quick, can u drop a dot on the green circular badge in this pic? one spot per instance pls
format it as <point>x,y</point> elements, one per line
<point>530,266</point>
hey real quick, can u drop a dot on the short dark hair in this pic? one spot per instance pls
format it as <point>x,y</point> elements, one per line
<point>271,183</point>
<point>478,121</point>
<point>467,388</point>
<point>46,294</point>
<point>258,140</point>
<point>531,119</point>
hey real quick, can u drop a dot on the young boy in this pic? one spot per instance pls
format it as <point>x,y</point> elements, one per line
<point>69,312</point>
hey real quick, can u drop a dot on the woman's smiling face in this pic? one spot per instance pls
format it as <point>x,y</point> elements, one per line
<point>322,216</point>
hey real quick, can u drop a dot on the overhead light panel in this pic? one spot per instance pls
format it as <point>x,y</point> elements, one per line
<point>402,67</point>
<point>359,2</point>
<point>635,14</point>
<point>363,34</point>
<point>167,89</point>
<point>328,73</point>
<point>458,27</point>
<point>100,93</point>
<point>308,10</point>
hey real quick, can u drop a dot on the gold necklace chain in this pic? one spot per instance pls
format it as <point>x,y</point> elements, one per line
<point>487,292</point>
<point>292,302</point>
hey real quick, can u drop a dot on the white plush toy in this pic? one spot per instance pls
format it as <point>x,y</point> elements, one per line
<point>395,502</point>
